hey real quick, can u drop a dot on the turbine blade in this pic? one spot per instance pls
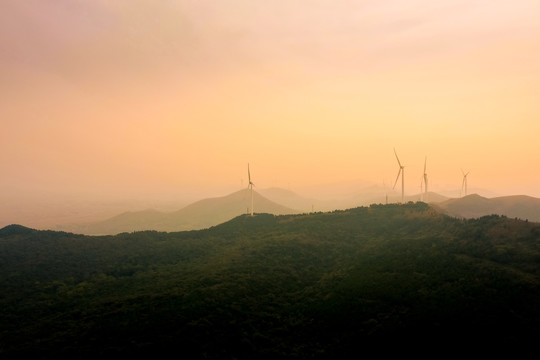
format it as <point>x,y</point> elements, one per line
<point>399,172</point>
<point>425,166</point>
<point>249,175</point>
<point>397,157</point>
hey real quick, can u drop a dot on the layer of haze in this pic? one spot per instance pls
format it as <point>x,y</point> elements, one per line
<point>143,99</point>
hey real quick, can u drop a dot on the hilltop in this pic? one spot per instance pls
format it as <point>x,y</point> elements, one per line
<point>322,285</point>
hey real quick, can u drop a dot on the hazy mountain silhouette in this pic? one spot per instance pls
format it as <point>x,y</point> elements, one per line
<point>198,215</point>
<point>288,198</point>
<point>382,196</point>
<point>301,203</point>
<point>363,197</point>
<point>213,211</point>
<point>473,206</point>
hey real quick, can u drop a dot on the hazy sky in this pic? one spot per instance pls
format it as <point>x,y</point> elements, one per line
<point>145,96</point>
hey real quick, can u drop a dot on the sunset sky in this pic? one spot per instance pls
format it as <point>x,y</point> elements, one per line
<point>177,97</point>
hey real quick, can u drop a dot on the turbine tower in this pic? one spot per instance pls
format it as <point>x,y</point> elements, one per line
<point>464,182</point>
<point>424,183</point>
<point>250,187</point>
<point>402,173</point>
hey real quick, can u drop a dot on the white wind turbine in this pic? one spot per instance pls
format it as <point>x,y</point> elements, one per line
<point>424,183</point>
<point>402,173</point>
<point>250,187</point>
<point>464,182</point>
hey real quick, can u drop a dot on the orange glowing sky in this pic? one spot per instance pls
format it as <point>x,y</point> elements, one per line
<point>131,97</point>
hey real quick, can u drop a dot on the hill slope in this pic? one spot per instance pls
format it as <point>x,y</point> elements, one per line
<point>474,206</point>
<point>199,215</point>
<point>324,285</point>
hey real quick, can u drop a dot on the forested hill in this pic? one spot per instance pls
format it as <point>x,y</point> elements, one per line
<point>322,285</point>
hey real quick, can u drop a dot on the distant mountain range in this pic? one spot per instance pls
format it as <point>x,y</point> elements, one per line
<point>199,215</point>
<point>213,211</point>
<point>474,206</point>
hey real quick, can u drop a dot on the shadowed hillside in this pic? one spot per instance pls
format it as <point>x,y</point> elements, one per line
<point>313,286</point>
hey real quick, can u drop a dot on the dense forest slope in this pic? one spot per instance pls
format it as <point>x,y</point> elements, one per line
<point>325,285</point>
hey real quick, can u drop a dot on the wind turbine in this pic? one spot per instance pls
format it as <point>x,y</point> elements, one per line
<point>402,173</point>
<point>424,183</point>
<point>250,187</point>
<point>464,182</point>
